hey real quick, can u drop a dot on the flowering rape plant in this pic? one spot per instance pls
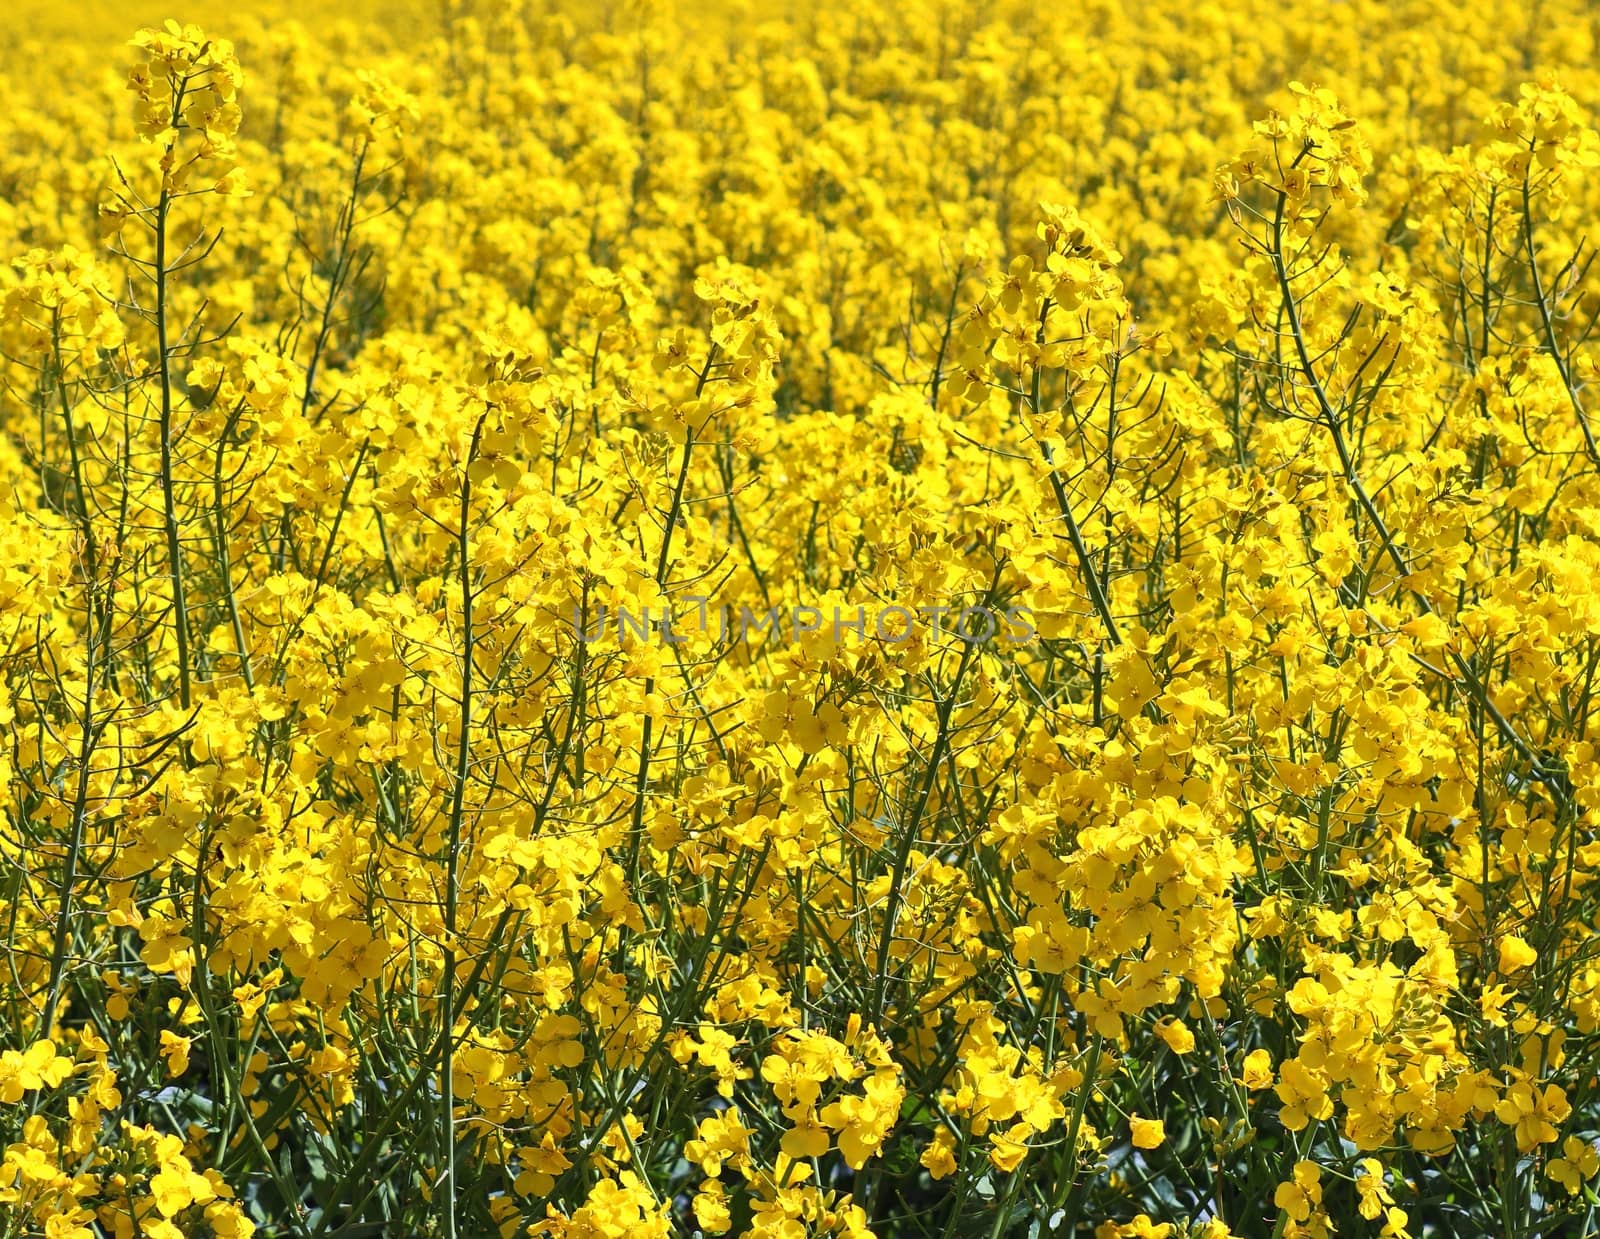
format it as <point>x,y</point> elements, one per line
<point>910,620</point>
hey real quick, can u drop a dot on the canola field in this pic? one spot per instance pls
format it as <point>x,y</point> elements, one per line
<point>911,618</point>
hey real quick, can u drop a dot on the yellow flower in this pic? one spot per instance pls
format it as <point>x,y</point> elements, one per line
<point>1147,1133</point>
<point>1177,1036</point>
<point>1578,1163</point>
<point>175,1050</point>
<point>1302,1195</point>
<point>39,1066</point>
<point>1515,954</point>
<point>1257,1072</point>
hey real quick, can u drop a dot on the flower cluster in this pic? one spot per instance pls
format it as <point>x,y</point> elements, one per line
<point>1147,787</point>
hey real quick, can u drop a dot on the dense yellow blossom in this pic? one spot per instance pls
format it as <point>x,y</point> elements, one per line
<point>865,619</point>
